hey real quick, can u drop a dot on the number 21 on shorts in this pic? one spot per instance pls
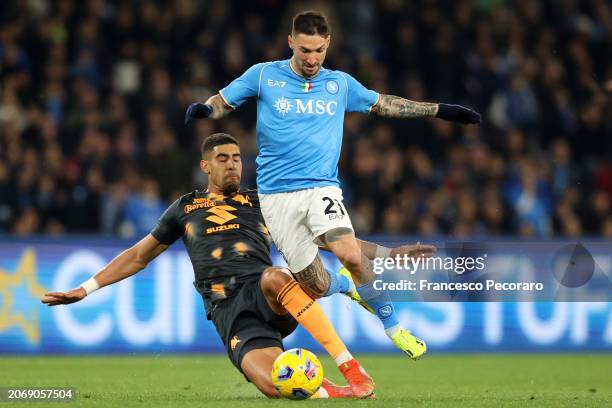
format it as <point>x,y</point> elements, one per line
<point>334,209</point>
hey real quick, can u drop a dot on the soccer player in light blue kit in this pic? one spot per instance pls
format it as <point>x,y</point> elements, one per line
<point>300,115</point>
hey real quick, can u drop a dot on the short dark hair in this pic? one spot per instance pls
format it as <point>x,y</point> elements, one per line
<point>217,139</point>
<point>310,23</point>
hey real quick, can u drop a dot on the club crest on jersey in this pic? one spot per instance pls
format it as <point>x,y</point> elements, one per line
<point>307,86</point>
<point>385,311</point>
<point>331,87</point>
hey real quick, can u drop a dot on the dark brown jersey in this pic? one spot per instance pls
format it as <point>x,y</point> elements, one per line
<point>226,239</point>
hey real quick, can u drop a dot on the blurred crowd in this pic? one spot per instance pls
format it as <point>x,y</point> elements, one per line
<point>93,93</point>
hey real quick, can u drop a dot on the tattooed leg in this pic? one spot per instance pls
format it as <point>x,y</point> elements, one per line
<point>314,279</point>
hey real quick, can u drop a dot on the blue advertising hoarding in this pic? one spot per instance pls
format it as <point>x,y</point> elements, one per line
<point>159,311</point>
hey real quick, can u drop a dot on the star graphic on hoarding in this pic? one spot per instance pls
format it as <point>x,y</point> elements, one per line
<point>24,275</point>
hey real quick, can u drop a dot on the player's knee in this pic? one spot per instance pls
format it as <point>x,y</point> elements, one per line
<point>273,280</point>
<point>265,386</point>
<point>269,391</point>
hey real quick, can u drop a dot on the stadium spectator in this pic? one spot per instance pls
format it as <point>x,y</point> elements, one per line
<point>92,96</point>
<point>142,210</point>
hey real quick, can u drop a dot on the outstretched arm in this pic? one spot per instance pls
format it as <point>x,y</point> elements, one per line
<point>214,108</point>
<point>126,264</point>
<point>397,107</point>
<point>372,250</point>
<point>219,107</point>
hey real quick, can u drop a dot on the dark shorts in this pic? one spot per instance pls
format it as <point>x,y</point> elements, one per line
<point>245,322</point>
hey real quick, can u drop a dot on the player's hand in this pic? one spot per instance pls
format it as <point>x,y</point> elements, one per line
<point>197,110</point>
<point>414,251</point>
<point>64,298</point>
<point>458,113</point>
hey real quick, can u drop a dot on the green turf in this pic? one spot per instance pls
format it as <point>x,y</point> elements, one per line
<point>445,380</point>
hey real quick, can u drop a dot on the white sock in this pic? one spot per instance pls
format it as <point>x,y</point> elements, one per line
<point>343,357</point>
<point>321,393</point>
<point>392,330</point>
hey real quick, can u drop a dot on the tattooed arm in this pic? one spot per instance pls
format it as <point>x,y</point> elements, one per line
<point>396,107</point>
<point>214,108</point>
<point>220,108</point>
<point>372,250</point>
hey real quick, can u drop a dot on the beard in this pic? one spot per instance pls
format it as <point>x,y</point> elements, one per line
<point>231,187</point>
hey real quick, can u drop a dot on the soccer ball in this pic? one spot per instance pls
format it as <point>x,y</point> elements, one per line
<point>297,374</point>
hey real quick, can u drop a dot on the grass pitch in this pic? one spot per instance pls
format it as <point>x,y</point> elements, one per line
<point>522,380</point>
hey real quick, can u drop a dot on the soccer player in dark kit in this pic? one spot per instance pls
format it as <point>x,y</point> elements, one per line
<point>252,304</point>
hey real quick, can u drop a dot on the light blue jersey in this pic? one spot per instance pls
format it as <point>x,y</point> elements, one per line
<point>299,122</point>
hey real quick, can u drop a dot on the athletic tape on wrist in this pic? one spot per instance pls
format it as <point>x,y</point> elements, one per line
<point>90,285</point>
<point>382,252</point>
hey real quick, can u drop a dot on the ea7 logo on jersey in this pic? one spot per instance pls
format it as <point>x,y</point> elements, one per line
<point>280,84</point>
<point>316,107</point>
